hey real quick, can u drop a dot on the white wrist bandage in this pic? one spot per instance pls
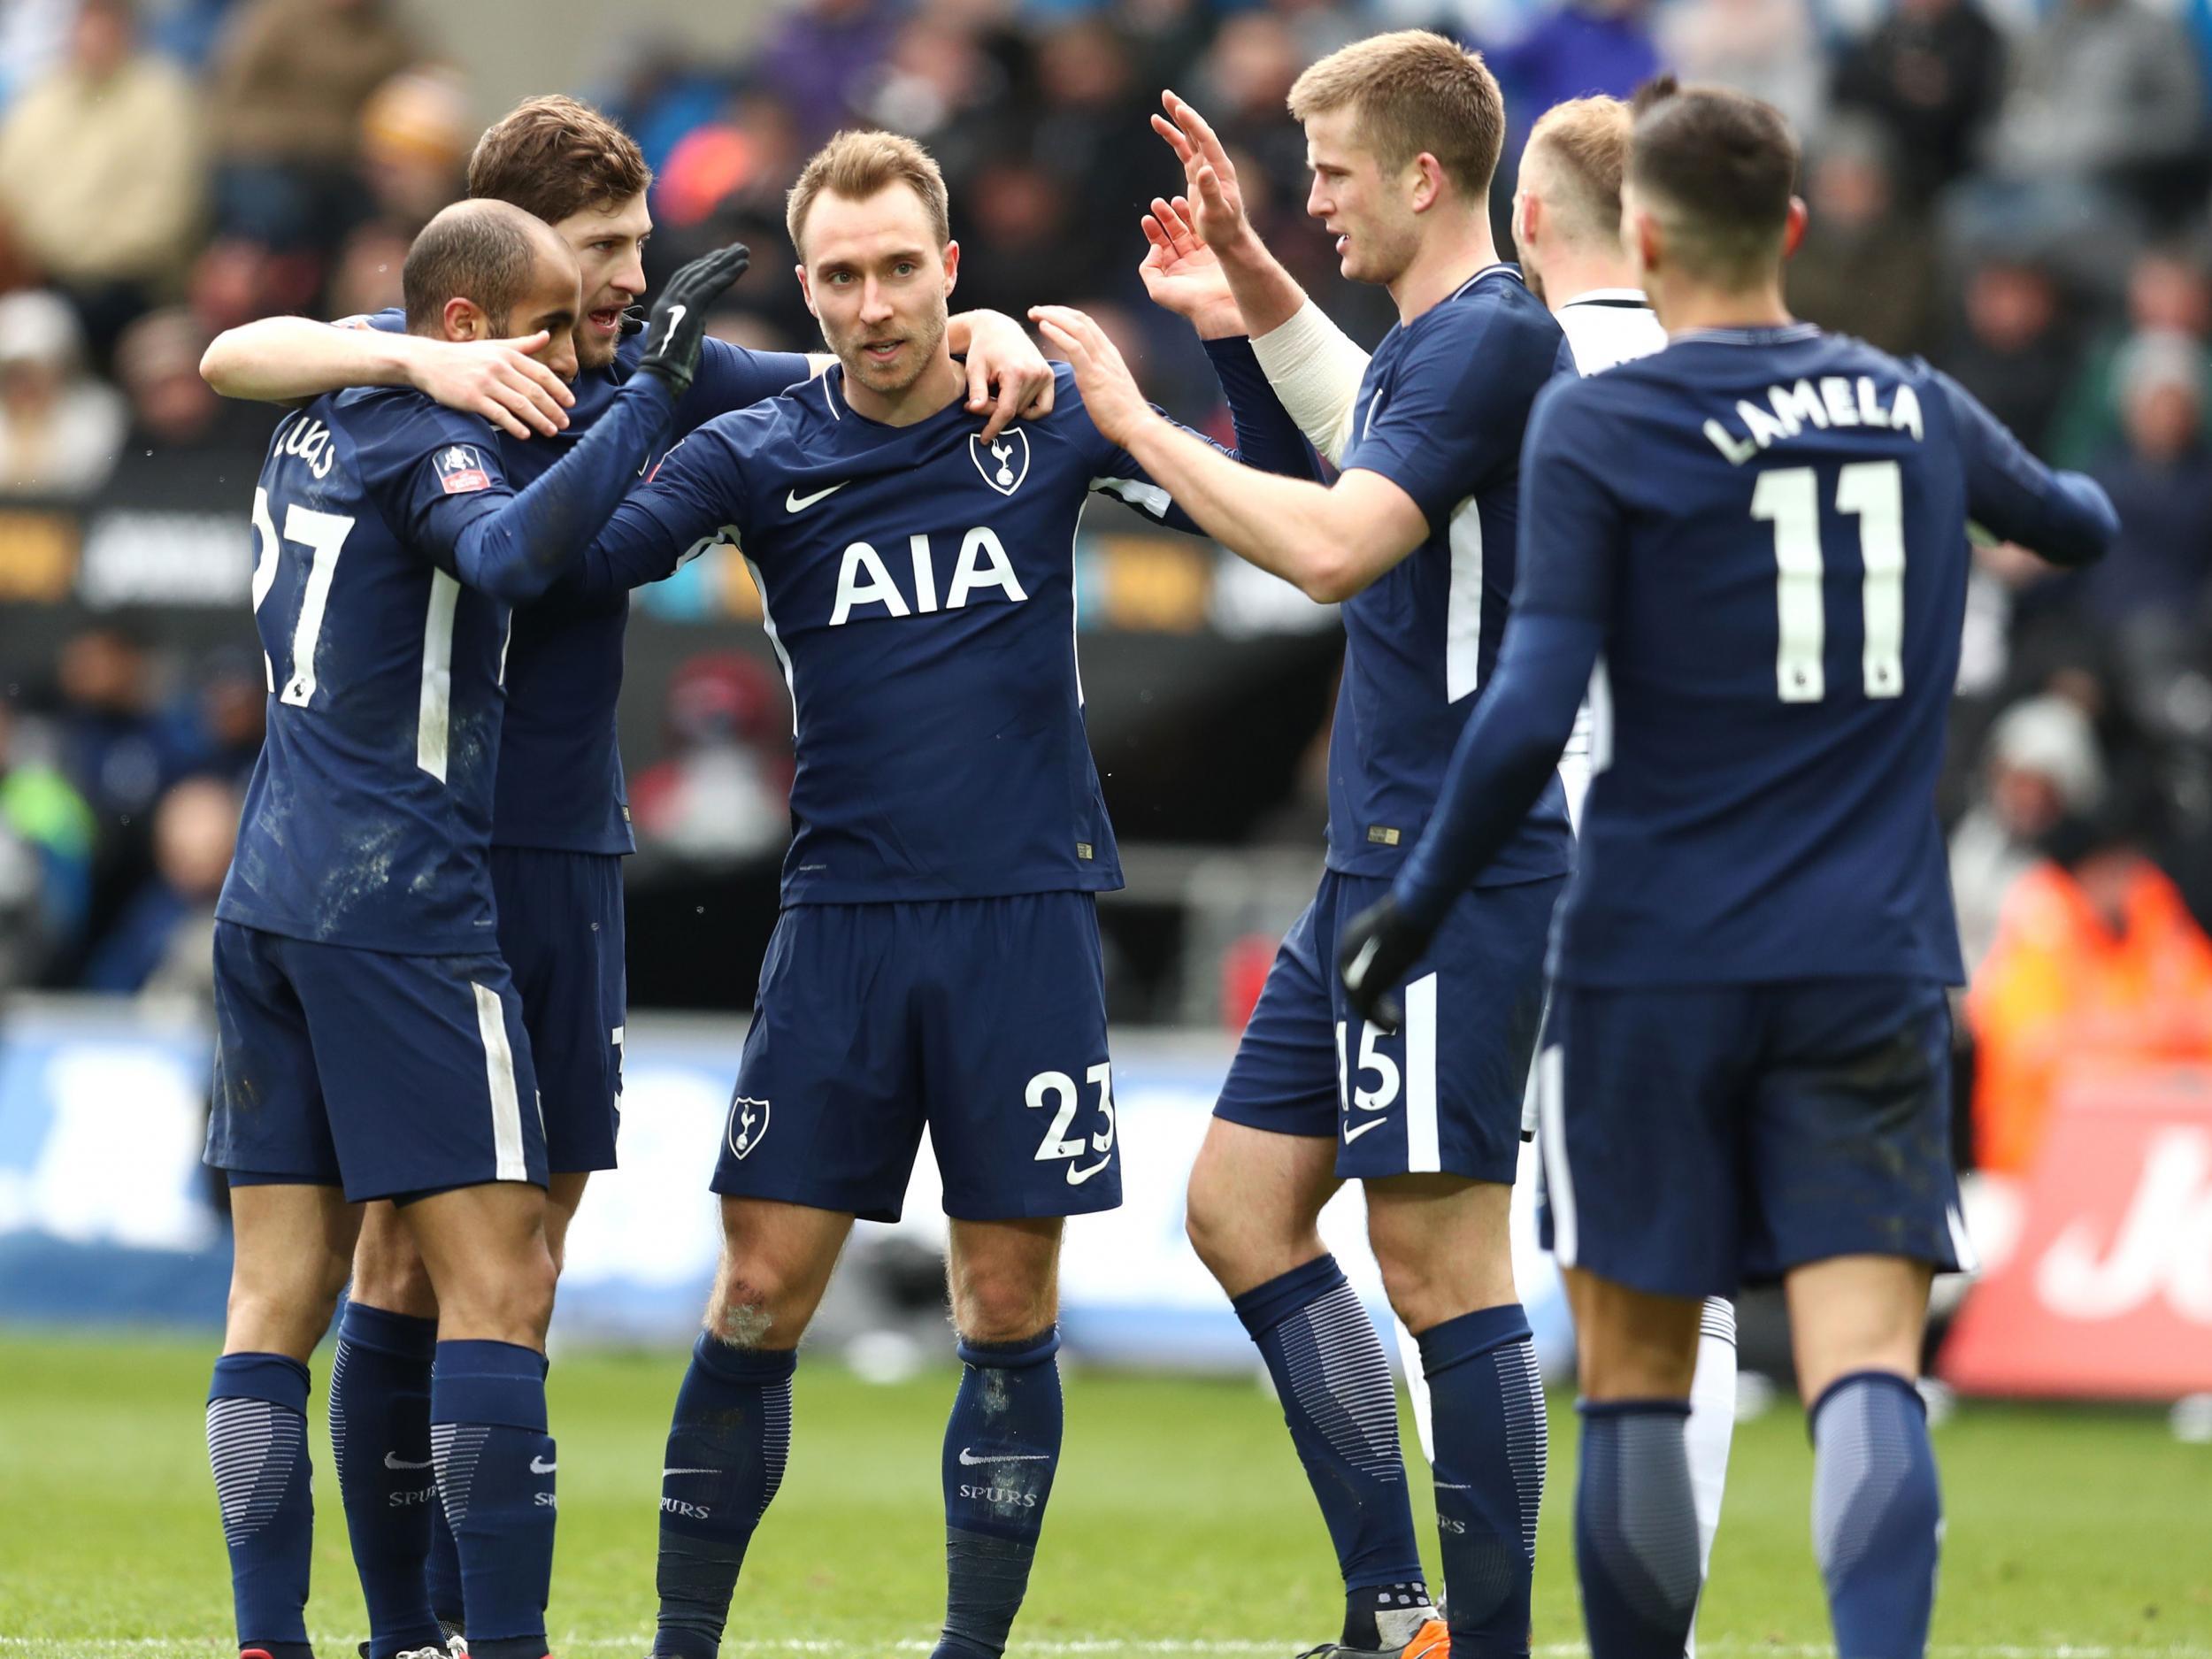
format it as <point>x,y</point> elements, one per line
<point>1316,369</point>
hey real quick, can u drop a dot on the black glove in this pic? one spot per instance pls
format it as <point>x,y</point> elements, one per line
<point>632,321</point>
<point>1380,947</point>
<point>678,322</point>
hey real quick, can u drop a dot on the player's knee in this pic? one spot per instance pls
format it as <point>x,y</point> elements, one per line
<point>744,1310</point>
<point>389,1274</point>
<point>1003,1307</point>
<point>1214,1224</point>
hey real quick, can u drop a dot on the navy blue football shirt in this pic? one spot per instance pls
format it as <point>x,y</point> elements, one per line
<point>560,782</point>
<point>1441,411</point>
<point>1760,537</point>
<point>918,585</point>
<point>389,548</point>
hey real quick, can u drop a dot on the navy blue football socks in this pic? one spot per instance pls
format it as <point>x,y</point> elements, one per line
<point>380,1431</point>
<point>1486,1406</point>
<point>1636,1529</point>
<point>1342,1409</point>
<point>1878,1514</point>
<point>495,1467</point>
<point>442,1571</point>
<point>1002,1448</point>
<point>727,1448</point>
<point>256,1444</point>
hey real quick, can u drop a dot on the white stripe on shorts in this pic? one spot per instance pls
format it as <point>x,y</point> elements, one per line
<point>499,1071</point>
<point>1559,1186</point>
<point>1423,1155</point>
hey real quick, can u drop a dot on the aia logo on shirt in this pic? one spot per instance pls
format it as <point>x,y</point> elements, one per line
<point>460,468</point>
<point>1004,461</point>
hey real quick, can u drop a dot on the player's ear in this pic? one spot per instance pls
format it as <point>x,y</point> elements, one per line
<point>463,319</point>
<point>1794,227</point>
<point>1428,182</point>
<point>1527,214</point>
<point>952,266</point>
<point>806,291</point>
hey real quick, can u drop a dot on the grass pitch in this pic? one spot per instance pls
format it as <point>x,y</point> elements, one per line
<point>1180,1523</point>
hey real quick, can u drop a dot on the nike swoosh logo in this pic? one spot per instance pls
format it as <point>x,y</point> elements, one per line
<point>1355,975</point>
<point>690,1471</point>
<point>970,1460</point>
<point>1351,1135</point>
<point>675,318</point>
<point>1076,1177</point>
<point>539,1466</point>
<point>393,1460</point>
<point>794,502</point>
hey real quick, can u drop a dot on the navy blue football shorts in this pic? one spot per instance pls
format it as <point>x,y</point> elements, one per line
<point>560,930</point>
<point>1444,1093</point>
<point>384,1074</point>
<point>1699,1137</point>
<point>983,1018</point>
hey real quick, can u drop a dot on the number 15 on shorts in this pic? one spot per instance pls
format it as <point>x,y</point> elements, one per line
<point>1085,1157</point>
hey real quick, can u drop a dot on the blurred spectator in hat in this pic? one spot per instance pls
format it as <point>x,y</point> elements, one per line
<point>1932,73</point>
<point>723,791</point>
<point>2160,480</point>
<point>416,135</point>
<point>2169,291</point>
<point>290,80</point>
<point>173,410</point>
<point>1865,267</point>
<point>101,172</point>
<point>60,429</point>
<point>2042,764</point>
<point>2096,959</point>
<point>164,939</point>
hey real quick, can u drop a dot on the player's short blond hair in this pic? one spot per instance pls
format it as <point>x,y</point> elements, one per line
<point>1412,92</point>
<point>855,165</point>
<point>1584,146</point>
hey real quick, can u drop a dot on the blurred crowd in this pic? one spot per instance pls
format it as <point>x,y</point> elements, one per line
<point>2019,189</point>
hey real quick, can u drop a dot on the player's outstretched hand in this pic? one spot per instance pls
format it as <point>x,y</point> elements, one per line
<point>497,379</point>
<point>1183,275</point>
<point>1379,948</point>
<point>1001,354</point>
<point>1209,176</point>
<point>678,326</point>
<point>1110,391</point>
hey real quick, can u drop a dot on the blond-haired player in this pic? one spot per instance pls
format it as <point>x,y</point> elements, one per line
<point>1416,540</point>
<point>1566,228</point>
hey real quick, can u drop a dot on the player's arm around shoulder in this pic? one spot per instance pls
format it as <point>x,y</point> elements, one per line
<point>296,359</point>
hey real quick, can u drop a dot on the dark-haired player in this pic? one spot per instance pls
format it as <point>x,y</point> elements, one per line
<point>369,1042</point>
<point>560,823</point>
<point>1757,540</point>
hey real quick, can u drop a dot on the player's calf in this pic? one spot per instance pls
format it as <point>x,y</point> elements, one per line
<point>1003,1438</point>
<point>1440,1241</point>
<point>292,1244</point>
<point>484,1246</point>
<point>1857,1325</point>
<point>731,1431</point>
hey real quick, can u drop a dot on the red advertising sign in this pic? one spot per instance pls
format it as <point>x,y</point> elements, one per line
<point>2109,1295</point>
